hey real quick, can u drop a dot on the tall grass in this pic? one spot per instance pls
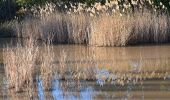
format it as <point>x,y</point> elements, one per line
<point>150,28</point>
<point>78,28</point>
<point>47,66</point>
<point>20,64</point>
<point>102,30</point>
<point>124,30</point>
<point>110,30</point>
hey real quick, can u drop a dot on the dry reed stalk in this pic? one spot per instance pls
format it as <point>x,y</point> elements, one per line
<point>47,66</point>
<point>101,30</point>
<point>150,28</point>
<point>62,67</point>
<point>77,27</point>
<point>110,31</point>
<point>54,25</point>
<point>123,30</point>
<point>20,64</point>
<point>28,28</point>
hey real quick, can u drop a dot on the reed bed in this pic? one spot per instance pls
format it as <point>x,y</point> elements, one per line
<point>26,62</point>
<point>110,30</point>
<point>102,30</point>
<point>112,24</point>
<point>95,28</point>
<point>20,64</point>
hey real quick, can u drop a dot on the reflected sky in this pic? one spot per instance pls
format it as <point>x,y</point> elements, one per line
<point>61,91</point>
<point>89,90</point>
<point>40,89</point>
<point>58,93</point>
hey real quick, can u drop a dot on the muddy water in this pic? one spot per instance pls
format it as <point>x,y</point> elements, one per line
<point>150,63</point>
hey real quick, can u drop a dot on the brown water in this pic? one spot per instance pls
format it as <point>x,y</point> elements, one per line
<point>150,63</point>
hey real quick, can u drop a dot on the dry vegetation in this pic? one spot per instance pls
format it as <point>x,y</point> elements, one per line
<point>103,30</point>
<point>26,61</point>
<point>100,25</point>
<point>20,64</point>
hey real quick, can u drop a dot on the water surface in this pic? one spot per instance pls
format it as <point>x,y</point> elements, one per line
<point>134,72</point>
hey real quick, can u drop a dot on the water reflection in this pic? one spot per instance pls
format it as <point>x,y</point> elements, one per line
<point>90,91</point>
<point>40,89</point>
<point>5,89</point>
<point>136,65</point>
<point>88,73</point>
<point>129,90</point>
<point>85,90</point>
<point>106,86</point>
<point>58,93</point>
<point>87,94</point>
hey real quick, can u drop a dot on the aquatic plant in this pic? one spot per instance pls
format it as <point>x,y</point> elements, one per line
<point>92,26</point>
<point>20,64</point>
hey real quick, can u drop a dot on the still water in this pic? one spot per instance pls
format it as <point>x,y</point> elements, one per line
<point>118,73</point>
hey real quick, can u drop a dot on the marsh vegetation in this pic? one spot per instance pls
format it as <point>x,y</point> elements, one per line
<point>79,51</point>
<point>36,70</point>
<point>112,24</point>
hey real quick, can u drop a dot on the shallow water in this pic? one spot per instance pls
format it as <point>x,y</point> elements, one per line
<point>135,72</point>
